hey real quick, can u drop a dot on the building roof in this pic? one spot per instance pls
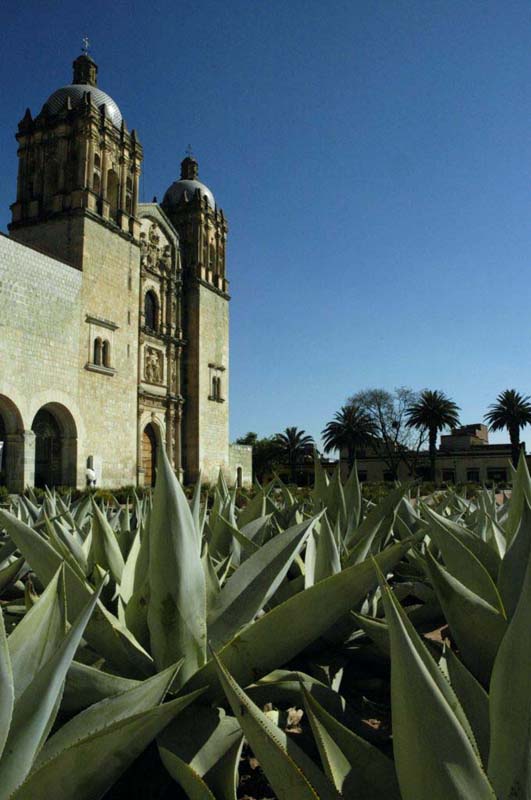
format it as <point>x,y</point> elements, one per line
<point>186,189</point>
<point>75,91</point>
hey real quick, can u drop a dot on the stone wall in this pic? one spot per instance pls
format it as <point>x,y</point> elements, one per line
<point>108,398</point>
<point>240,465</point>
<point>40,309</point>
<point>206,418</point>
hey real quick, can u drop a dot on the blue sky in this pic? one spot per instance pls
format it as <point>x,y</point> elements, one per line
<point>374,162</point>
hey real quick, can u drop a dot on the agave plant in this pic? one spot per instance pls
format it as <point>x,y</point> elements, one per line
<point>83,757</point>
<point>279,602</point>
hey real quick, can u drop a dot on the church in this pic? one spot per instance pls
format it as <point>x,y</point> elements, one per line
<point>114,314</point>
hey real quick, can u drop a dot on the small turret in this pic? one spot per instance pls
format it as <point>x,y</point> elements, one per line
<point>85,70</point>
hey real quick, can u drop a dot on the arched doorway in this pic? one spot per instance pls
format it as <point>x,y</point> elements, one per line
<point>149,454</point>
<point>11,446</point>
<point>55,446</point>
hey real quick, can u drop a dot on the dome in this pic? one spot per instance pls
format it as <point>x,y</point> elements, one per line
<point>75,91</point>
<point>176,191</point>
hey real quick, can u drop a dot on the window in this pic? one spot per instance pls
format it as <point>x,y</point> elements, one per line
<point>497,474</point>
<point>215,383</point>
<point>97,160</point>
<point>472,475</point>
<point>362,476</point>
<point>98,350</point>
<point>151,311</point>
<point>448,475</point>
<point>96,185</point>
<point>106,353</point>
<point>388,476</point>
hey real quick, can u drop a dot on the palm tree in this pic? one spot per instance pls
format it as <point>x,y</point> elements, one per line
<point>434,412</point>
<point>512,411</point>
<point>292,444</point>
<point>350,429</point>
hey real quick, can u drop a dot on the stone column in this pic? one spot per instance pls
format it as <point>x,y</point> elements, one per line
<point>28,459</point>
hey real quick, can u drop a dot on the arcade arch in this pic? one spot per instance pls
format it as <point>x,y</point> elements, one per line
<point>55,446</point>
<point>11,445</point>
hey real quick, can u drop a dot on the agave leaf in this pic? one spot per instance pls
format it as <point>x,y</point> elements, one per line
<point>376,629</point>
<point>474,700</point>
<point>291,773</point>
<point>104,632</point>
<point>255,530</point>
<point>352,491</point>
<point>321,557</point>
<point>222,541</point>
<point>247,545</point>
<point>514,564</point>
<point>127,584</point>
<point>9,574</point>
<point>327,560</point>
<point>476,626</point>
<point>140,697</point>
<point>38,634</point>
<point>379,520</point>
<point>521,491</point>
<point>254,582</point>
<point>189,780</point>
<point>86,685</point>
<point>177,604</point>
<point>357,769</point>
<point>105,548</point>
<point>510,707</point>
<point>288,628</point>
<point>7,689</point>
<point>87,767</point>
<point>254,510</point>
<point>434,749</point>
<point>195,508</point>
<point>461,562</point>
<point>201,752</point>
<point>35,710</point>
<point>335,500</point>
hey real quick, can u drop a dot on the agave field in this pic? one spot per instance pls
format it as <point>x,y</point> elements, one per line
<point>350,649</point>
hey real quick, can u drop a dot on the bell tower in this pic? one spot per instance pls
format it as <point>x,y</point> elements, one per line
<point>76,158</point>
<point>202,228</point>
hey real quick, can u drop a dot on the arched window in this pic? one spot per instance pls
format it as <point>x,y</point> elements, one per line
<point>151,311</point>
<point>96,184</point>
<point>216,388</point>
<point>98,348</point>
<point>106,353</point>
<point>97,160</point>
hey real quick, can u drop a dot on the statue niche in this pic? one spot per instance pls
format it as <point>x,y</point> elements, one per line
<point>153,365</point>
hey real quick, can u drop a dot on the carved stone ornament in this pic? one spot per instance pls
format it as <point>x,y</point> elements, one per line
<point>155,254</point>
<point>153,365</point>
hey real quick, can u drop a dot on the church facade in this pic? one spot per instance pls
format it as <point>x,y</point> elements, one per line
<point>114,314</point>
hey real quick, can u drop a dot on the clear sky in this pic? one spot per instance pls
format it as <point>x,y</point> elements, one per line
<point>373,159</point>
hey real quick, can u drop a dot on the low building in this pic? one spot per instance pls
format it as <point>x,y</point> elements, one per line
<point>464,456</point>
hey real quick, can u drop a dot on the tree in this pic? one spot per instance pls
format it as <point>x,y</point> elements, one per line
<point>250,438</point>
<point>292,445</point>
<point>513,412</point>
<point>351,428</point>
<point>395,442</point>
<point>432,412</point>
